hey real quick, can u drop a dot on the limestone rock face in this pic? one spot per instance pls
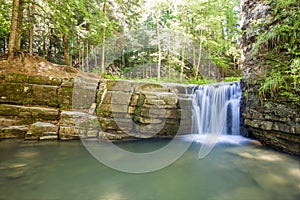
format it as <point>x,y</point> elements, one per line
<point>274,123</point>
<point>139,109</point>
<point>39,108</point>
<point>35,106</point>
<point>42,131</point>
<point>24,89</point>
<point>74,124</point>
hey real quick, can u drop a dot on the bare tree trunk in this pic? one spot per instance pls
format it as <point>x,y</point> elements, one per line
<point>96,59</point>
<point>66,49</point>
<point>158,45</point>
<point>13,29</point>
<point>199,60</point>
<point>4,45</point>
<point>44,48</point>
<point>103,42</point>
<point>199,57</point>
<point>103,58</point>
<point>169,66</point>
<point>79,54</point>
<point>87,57</point>
<point>194,60</point>
<point>31,27</point>
<point>209,63</point>
<point>82,58</point>
<point>182,64</point>
<point>19,26</point>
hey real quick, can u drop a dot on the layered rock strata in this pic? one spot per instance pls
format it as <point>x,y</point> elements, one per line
<point>274,123</point>
<point>138,109</point>
<point>39,108</point>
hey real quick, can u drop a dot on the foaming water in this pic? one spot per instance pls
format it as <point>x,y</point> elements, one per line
<point>216,109</point>
<point>222,139</point>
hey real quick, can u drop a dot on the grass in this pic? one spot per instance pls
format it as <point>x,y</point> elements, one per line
<point>231,79</point>
<point>163,80</point>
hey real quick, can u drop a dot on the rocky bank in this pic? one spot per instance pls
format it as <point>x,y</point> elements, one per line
<point>61,103</point>
<point>276,123</point>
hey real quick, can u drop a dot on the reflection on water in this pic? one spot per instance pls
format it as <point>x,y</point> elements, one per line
<point>65,170</point>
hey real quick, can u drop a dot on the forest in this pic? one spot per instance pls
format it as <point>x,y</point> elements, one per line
<point>191,41</point>
<point>173,40</point>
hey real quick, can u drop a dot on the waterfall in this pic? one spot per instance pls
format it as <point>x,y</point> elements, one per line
<point>216,109</point>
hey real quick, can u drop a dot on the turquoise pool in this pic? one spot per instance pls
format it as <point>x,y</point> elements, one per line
<point>65,170</point>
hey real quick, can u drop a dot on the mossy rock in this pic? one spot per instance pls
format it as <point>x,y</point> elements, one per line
<point>65,97</point>
<point>29,115</point>
<point>119,85</point>
<point>16,78</point>
<point>20,93</point>
<point>149,87</point>
<point>8,110</point>
<point>13,132</point>
<point>44,80</point>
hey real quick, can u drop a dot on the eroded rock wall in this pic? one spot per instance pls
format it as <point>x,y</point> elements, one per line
<point>40,108</point>
<point>276,123</point>
<point>137,109</point>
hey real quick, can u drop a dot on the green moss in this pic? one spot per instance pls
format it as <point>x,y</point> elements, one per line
<point>65,97</point>
<point>16,78</point>
<point>8,110</point>
<point>103,113</point>
<point>44,80</point>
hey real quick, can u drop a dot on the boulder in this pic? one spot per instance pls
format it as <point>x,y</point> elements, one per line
<point>42,131</point>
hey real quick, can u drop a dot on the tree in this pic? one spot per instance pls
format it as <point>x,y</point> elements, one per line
<point>13,29</point>
<point>5,24</point>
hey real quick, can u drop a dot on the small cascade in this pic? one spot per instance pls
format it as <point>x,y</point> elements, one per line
<point>216,109</point>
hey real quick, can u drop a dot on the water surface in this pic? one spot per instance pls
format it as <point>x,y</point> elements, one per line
<point>65,170</point>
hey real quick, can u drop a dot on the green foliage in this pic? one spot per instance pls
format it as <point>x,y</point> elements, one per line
<point>279,43</point>
<point>5,9</point>
<point>211,25</point>
<point>295,73</point>
<point>110,77</point>
<point>271,86</point>
<point>201,81</point>
<point>283,81</point>
<point>231,79</point>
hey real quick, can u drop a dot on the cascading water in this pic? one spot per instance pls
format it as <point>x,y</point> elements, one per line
<point>216,109</point>
<point>216,112</point>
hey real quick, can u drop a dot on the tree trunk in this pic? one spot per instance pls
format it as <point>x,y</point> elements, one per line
<point>4,45</point>
<point>87,57</point>
<point>199,57</point>
<point>66,49</point>
<point>103,42</point>
<point>199,60</point>
<point>31,27</point>
<point>209,61</point>
<point>194,60</point>
<point>79,55</point>
<point>96,58</point>
<point>13,29</point>
<point>182,64</point>
<point>169,65</point>
<point>82,58</point>
<point>158,45</point>
<point>19,26</point>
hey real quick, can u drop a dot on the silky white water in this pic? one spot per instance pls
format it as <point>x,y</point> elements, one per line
<point>216,109</point>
